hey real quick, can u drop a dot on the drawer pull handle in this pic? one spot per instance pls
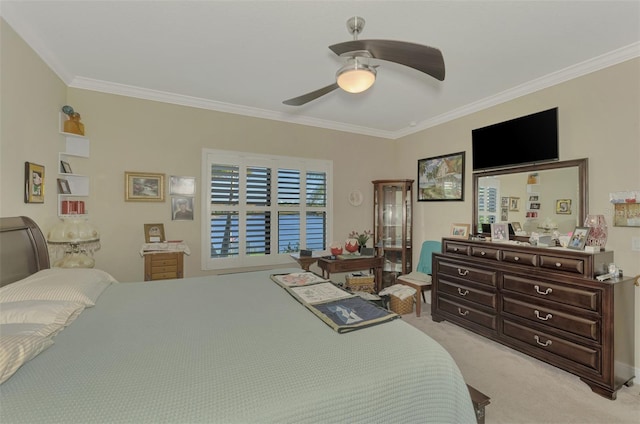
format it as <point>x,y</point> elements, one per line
<point>463,273</point>
<point>558,265</point>
<point>462,293</point>
<point>483,253</point>
<point>546,292</point>
<point>455,249</point>
<point>516,258</point>
<point>545,318</point>
<point>545,344</point>
<point>463,313</point>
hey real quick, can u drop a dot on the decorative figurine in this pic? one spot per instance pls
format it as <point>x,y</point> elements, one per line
<point>73,124</point>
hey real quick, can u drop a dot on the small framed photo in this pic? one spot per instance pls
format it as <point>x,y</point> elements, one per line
<point>65,168</point>
<point>182,208</point>
<point>182,186</point>
<point>143,187</point>
<point>504,202</point>
<point>579,238</point>
<point>563,206</point>
<point>460,230</point>
<point>516,226</point>
<point>33,183</point>
<point>63,186</point>
<point>154,233</point>
<point>514,204</point>
<point>500,232</point>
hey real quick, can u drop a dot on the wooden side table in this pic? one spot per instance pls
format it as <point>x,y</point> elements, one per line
<point>345,265</point>
<point>163,265</point>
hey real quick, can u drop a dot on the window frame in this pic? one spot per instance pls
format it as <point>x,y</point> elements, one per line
<point>275,162</point>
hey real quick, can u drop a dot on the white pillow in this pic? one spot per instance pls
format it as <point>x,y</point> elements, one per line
<point>29,329</point>
<point>40,312</point>
<point>83,285</point>
<point>18,350</point>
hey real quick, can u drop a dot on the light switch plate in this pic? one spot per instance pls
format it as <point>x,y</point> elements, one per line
<point>635,244</point>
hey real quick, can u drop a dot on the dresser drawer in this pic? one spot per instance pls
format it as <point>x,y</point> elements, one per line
<point>485,252</point>
<point>164,275</point>
<point>576,266</point>
<point>581,326</point>
<point>464,312</point>
<point>579,297</point>
<point>519,258</point>
<point>469,273</point>
<point>469,294</point>
<point>576,353</point>
<point>456,248</point>
<point>155,262</point>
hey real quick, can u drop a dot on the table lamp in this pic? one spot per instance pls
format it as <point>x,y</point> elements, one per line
<point>74,238</point>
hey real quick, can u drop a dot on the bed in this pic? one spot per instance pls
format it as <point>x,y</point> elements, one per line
<point>230,349</point>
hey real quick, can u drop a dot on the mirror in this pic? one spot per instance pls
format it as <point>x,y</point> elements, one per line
<point>540,197</point>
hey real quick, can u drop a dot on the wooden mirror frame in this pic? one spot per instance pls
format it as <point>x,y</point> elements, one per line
<point>583,189</point>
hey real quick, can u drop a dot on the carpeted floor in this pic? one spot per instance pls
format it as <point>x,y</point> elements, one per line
<point>523,389</point>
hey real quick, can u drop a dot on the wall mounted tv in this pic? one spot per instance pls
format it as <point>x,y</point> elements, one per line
<point>528,139</point>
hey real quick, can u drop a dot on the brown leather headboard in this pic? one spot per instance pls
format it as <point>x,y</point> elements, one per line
<point>23,249</point>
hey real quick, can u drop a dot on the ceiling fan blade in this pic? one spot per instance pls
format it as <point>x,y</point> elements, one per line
<point>306,98</point>
<point>417,56</point>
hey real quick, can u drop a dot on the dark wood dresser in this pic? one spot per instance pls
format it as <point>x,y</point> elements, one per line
<point>544,302</point>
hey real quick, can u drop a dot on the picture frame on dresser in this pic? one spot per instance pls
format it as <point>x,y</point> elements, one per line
<point>154,233</point>
<point>579,238</point>
<point>500,231</point>
<point>460,230</point>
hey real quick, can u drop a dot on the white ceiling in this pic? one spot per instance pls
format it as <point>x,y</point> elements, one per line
<point>246,57</point>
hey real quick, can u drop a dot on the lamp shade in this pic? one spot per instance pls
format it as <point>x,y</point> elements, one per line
<point>73,230</point>
<point>355,76</point>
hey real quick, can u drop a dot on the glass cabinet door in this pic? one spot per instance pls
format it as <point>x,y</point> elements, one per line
<point>393,203</point>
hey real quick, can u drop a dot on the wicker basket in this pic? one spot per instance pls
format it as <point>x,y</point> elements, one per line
<point>401,307</point>
<point>363,283</point>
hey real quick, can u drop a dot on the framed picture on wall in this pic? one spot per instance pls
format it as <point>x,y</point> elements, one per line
<point>143,187</point>
<point>441,178</point>
<point>33,183</point>
<point>183,186</point>
<point>563,206</point>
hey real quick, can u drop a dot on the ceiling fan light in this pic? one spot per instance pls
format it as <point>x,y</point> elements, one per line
<point>355,77</point>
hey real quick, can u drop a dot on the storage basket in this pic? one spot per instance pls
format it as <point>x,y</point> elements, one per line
<point>401,307</point>
<point>363,283</point>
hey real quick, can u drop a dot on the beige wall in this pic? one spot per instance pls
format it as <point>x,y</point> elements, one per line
<point>598,116</point>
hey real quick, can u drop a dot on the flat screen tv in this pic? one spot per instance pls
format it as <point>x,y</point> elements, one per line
<point>528,139</point>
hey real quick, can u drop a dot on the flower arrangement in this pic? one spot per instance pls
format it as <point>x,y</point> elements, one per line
<point>361,237</point>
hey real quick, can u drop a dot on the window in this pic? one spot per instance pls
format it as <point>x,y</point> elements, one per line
<point>262,208</point>
<point>488,202</point>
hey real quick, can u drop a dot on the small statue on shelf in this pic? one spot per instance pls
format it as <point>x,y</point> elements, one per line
<point>73,124</point>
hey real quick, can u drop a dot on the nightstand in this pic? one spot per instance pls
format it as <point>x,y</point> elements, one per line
<point>163,265</point>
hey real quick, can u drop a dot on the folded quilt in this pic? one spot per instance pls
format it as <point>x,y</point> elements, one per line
<point>399,290</point>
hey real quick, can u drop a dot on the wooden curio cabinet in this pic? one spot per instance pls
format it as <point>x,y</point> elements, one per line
<point>392,221</point>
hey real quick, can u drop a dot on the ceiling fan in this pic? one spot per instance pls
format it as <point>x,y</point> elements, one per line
<point>358,75</point>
